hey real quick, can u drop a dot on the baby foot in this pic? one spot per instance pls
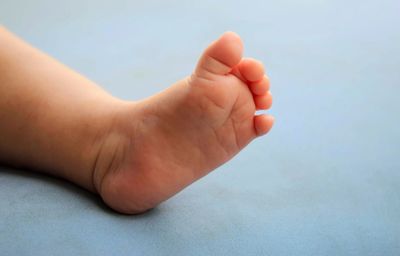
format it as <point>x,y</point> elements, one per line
<point>158,146</point>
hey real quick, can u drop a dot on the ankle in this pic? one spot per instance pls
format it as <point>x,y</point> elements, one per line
<point>114,137</point>
<point>93,126</point>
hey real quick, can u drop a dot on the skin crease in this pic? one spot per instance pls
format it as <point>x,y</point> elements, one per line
<point>133,154</point>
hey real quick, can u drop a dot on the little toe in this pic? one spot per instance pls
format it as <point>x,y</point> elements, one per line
<point>252,70</point>
<point>264,101</point>
<point>263,123</point>
<point>260,87</point>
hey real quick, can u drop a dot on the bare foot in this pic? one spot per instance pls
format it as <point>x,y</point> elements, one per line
<point>158,146</point>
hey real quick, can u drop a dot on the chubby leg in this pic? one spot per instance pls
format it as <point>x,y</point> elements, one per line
<point>51,118</point>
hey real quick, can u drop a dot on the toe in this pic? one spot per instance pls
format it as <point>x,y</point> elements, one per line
<point>263,101</point>
<point>252,70</point>
<point>260,87</point>
<point>221,56</point>
<point>262,124</point>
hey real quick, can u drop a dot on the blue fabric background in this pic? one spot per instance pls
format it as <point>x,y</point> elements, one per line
<point>325,181</point>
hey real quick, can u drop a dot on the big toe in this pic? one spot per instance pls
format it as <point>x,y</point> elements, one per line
<point>221,56</point>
